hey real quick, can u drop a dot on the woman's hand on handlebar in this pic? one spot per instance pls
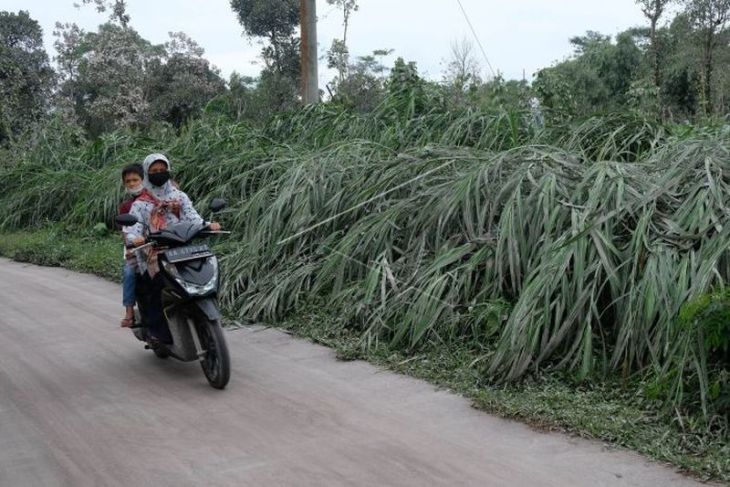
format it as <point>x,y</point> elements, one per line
<point>138,241</point>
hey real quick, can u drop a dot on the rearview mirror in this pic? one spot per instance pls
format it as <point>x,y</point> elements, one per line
<point>126,220</point>
<point>217,205</point>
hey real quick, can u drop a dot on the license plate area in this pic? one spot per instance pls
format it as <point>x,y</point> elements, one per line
<point>189,252</point>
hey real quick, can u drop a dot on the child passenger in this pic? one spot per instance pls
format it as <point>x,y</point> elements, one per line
<point>132,177</point>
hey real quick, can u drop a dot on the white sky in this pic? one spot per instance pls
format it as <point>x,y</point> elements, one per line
<point>516,34</point>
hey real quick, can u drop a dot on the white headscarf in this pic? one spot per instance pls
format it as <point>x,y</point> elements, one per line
<point>167,190</point>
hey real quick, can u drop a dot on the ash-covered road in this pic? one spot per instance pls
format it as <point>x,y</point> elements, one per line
<point>82,404</point>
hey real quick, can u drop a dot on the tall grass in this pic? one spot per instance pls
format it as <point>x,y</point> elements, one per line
<point>569,248</point>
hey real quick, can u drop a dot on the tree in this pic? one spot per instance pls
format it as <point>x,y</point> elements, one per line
<point>597,78</point>
<point>681,83</point>
<point>179,88</point>
<point>338,57</point>
<point>339,54</point>
<point>115,79</point>
<point>653,11</point>
<point>118,9</point>
<point>69,49</point>
<point>274,20</point>
<point>239,101</point>
<point>363,88</point>
<point>111,66</point>
<point>501,93</point>
<point>26,78</point>
<point>180,43</point>
<point>181,82</point>
<point>348,7</point>
<point>463,72</point>
<point>708,17</point>
<point>101,72</point>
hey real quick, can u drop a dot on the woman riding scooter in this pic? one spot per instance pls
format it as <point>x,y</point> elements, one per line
<point>160,206</point>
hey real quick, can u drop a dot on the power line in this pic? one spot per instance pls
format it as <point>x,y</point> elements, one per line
<point>474,33</point>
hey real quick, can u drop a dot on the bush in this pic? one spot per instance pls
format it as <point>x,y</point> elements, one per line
<point>571,248</point>
<point>699,376</point>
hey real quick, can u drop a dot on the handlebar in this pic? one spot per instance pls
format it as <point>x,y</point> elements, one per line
<point>203,233</point>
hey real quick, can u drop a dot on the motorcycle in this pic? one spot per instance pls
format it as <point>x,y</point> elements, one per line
<point>177,311</point>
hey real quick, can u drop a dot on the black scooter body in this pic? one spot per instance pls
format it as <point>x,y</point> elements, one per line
<point>193,265</point>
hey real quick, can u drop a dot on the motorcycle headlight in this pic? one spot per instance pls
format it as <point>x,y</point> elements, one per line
<point>190,288</point>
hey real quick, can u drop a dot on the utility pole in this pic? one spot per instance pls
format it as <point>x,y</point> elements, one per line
<point>310,76</point>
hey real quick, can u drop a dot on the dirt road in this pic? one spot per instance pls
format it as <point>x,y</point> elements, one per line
<point>82,404</point>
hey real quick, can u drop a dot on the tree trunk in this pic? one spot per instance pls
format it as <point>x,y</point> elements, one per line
<point>6,130</point>
<point>346,61</point>
<point>657,70</point>
<point>275,45</point>
<point>653,12</point>
<point>707,82</point>
<point>346,23</point>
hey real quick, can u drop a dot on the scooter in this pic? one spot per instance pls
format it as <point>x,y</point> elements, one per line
<point>177,310</point>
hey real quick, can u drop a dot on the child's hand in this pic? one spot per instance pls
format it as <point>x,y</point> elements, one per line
<point>214,227</point>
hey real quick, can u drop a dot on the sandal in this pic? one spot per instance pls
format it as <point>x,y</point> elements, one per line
<point>127,322</point>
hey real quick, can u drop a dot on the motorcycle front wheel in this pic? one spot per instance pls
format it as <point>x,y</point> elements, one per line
<point>216,363</point>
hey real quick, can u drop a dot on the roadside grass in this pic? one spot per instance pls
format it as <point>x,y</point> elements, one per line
<point>617,412</point>
<point>57,247</point>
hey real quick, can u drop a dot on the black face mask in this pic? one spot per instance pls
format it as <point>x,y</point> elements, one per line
<point>159,178</point>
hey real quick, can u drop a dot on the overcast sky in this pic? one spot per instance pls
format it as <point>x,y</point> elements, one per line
<point>517,35</point>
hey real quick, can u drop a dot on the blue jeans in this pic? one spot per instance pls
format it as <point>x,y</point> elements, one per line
<point>129,281</point>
